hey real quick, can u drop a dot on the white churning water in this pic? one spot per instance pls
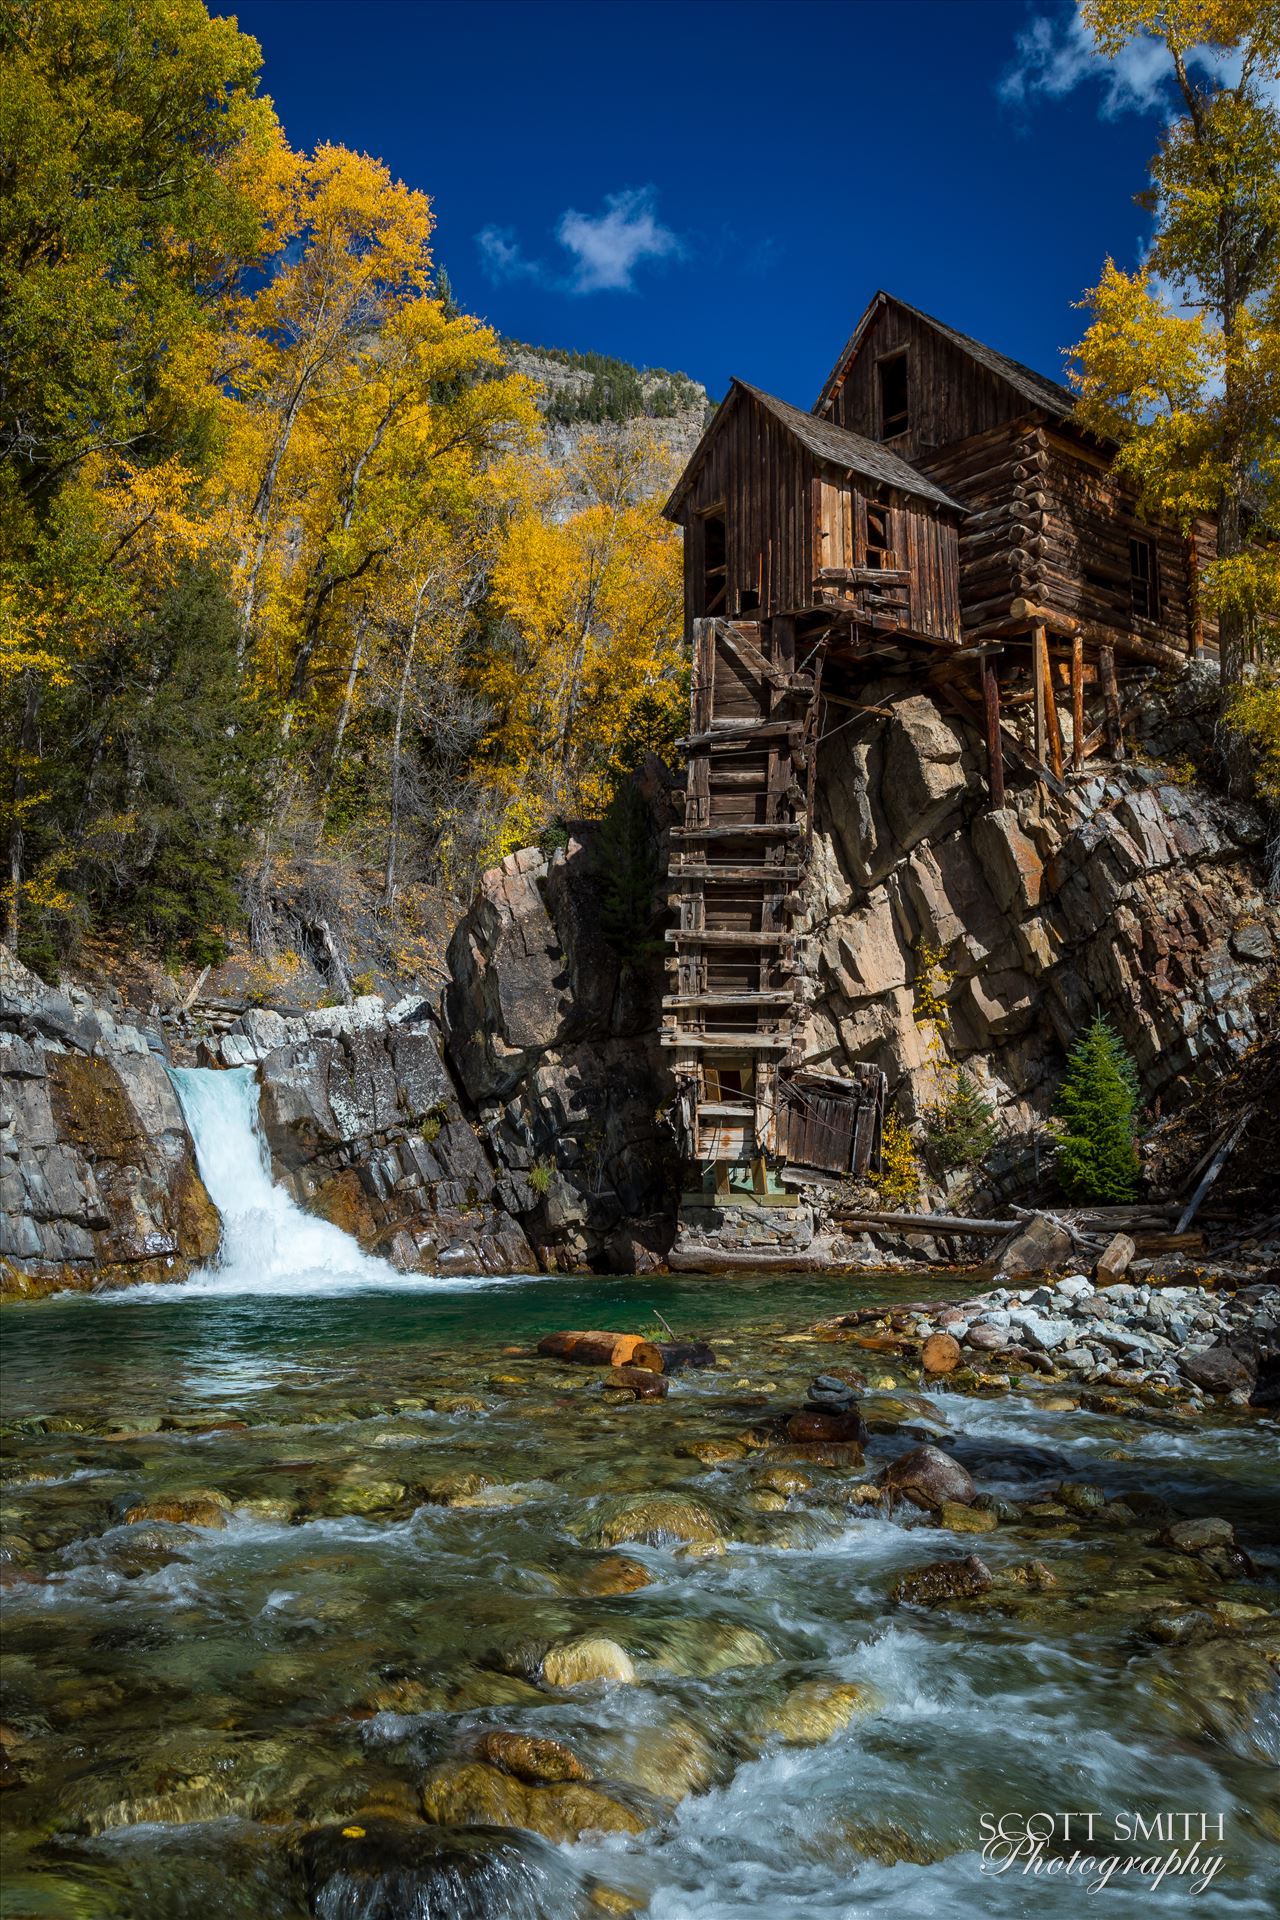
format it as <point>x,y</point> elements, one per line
<point>269,1245</point>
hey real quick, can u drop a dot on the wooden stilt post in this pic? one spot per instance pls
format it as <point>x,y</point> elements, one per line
<point>995,743</point>
<point>1077,703</point>
<point>1111,702</point>
<point>1052,730</point>
<point>1039,654</point>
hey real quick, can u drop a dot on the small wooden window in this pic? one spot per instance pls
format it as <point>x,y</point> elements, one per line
<point>1144,586</point>
<point>878,555</point>
<point>715,563</point>
<point>895,400</point>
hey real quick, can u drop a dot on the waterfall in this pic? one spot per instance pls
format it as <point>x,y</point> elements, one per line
<point>269,1245</point>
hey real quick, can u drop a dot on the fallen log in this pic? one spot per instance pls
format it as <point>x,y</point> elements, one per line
<point>602,1350</point>
<point>1222,1153</point>
<point>926,1222</point>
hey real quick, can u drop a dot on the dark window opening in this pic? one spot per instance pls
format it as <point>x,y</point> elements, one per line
<point>895,408</point>
<point>878,554</point>
<point>1144,591</point>
<point>748,601</point>
<point>715,564</point>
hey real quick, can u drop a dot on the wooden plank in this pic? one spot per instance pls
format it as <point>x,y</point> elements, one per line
<point>700,870</point>
<point>723,937</point>
<point>725,735</point>
<point>741,830</point>
<point>748,1041</point>
<point>764,997</point>
<point>749,654</point>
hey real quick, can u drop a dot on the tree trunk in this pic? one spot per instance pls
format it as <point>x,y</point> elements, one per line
<point>1233,647</point>
<point>335,759</point>
<point>26,746</point>
<point>393,838</point>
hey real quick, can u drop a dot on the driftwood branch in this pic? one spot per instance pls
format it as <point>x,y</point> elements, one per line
<point>1221,1154</point>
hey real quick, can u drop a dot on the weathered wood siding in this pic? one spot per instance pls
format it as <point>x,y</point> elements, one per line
<point>788,516</point>
<point>997,475</point>
<point>952,397</point>
<point>758,474</point>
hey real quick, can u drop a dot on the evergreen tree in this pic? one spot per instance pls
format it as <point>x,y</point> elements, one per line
<point>963,1129</point>
<point>1098,1156</point>
<point>627,861</point>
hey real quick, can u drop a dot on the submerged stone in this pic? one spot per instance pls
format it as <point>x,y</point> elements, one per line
<point>815,1710</point>
<point>584,1662</point>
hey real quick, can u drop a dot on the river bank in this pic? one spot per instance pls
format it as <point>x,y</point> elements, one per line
<point>281,1569</point>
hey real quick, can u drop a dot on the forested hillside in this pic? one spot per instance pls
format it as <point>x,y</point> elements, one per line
<point>300,599</point>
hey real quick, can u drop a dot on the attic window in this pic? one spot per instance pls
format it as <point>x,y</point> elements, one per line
<point>895,407</point>
<point>878,554</point>
<point>1144,593</point>
<point>715,563</point>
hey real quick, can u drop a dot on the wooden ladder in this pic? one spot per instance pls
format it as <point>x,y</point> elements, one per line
<point>737,868</point>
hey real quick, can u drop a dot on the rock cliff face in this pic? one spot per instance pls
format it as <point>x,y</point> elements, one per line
<point>98,1174</point>
<point>1136,895</point>
<point>554,1039</point>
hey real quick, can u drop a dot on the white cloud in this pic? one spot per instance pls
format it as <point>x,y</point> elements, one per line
<point>608,247</point>
<point>501,257</point>
<point>1054,54</point>
<point>604,249</point>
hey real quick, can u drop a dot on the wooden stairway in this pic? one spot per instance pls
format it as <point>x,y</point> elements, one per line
<point>736,874</point>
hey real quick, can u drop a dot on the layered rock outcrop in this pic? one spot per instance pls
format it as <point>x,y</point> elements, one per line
<point>1136,894</point>
<point>98,1173</point>
<point>554,1038</point>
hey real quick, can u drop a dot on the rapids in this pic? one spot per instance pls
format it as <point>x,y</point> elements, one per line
<point>237,1719</point>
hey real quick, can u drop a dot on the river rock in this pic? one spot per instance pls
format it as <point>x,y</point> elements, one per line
<point>587,1661</point>
<point>659,1520</point>
<point>942,1580</point>
<point>615,1574</point>
<point>1221,1368</point>
<point>815,1710</point>
<point>538,1762</point>
<point>179,1509</point>
<point>928,1476</point>
<point>1038,1248</point>
<point>983,1337</point>
<point>1197,1536</point>
<point>475,1795</point>
<point>385,1867</point>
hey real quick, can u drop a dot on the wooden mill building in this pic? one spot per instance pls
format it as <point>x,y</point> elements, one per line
<point>937,515</point>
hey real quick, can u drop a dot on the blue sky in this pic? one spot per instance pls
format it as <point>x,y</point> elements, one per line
<point>720,185</point>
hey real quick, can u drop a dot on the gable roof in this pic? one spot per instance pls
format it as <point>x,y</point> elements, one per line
<point>835,445</point>
<point>1035,388</point>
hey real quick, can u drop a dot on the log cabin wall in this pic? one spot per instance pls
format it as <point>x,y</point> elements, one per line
<point>1100,560</point>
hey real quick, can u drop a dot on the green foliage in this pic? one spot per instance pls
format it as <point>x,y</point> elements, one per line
<point>540,1177</point>
<point>898,1181</point>
<point>654,722</point>
<point>627,861</point>
<point>157,786</point>
<point>962,1129</point>
<point>617,391</point>
<point>1097,1102</point>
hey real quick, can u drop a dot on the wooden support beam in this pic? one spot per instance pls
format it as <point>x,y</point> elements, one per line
<point>1054,731</point>
<point>775,876</point>
<point>1012,746</point>
<point>1039,658</point>
<point>995,747</point>
<point>749,654</point>
<point>708,997</point>
<point>1112,730</point>
<point>1035,616</point>
<point>1077,702</point>
<point>733,732</point>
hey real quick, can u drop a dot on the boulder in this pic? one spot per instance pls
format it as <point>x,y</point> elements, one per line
<point>587,1661</point>
<point>539,1762</point>
<point>1197,1536</point>
<point>1040,1246</point>
<point>942,1580</point>
<point>816,1710</point>
<point>924,779</point>
<point>659,1520</point>
<point>928,1476</point>
<point>1221,1368</point>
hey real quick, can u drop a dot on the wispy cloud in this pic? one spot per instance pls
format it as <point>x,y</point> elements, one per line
<point>603,250</point>
<point>1054,54</point>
